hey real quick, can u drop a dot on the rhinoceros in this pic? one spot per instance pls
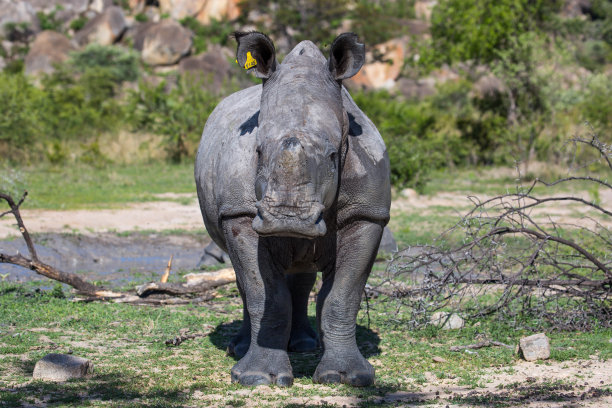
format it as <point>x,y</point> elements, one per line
<point>293,179</point>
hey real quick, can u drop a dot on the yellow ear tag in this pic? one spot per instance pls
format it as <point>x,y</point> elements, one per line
<point>250,61</point>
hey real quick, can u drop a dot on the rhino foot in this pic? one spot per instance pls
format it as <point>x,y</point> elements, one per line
<point>263,367</point>
<point>352,369</point>
<point>303,339</point>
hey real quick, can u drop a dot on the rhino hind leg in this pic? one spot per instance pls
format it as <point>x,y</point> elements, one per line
<point>338,303</point>
<point>267,297</point>
<point>303,338</point>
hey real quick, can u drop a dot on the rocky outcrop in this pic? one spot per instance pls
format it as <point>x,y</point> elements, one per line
<point>100,5</point>
<point>104,29</point>
<point>203,10</point>
<point>424,8</point>
<point>163,43</point>
<point>17,12</point>
<point>49,48</point>
<point>212,68</point>
<point>387,60</point>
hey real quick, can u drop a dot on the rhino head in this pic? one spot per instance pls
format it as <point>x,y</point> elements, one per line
<point>302,127</point>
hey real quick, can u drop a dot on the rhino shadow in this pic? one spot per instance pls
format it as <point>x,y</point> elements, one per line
<point>303,364</point>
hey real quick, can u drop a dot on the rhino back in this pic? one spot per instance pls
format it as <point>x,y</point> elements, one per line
<point>226,162</point>
<point>365,190</point>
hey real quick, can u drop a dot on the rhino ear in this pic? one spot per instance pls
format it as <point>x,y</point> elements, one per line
<point>256,53</point>
<point>346,56</point>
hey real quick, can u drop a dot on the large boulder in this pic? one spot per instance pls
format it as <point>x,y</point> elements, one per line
<point>203,10</point>
<point>424,8</point>
<point>219,10</point>
<point>48,49</point>
<point>17,12</point>
<point>163,43</point>
<point>386,62</point>
<point>212,68</point>
<point>104,29</point>
<point>48,6</point>
<point>100,5</point>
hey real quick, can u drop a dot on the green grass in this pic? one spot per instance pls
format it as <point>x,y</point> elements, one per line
<point>133,366</point>
<point>83,186</point>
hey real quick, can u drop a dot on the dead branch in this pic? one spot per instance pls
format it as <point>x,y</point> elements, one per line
<point>481,344</point>
<point>499,258</point>
<point>179,289</point>
<point>183,335</point>
<point>35,264</point>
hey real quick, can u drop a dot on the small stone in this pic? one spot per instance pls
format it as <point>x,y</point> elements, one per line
<point>447,321</point>
<point>535,347</point>
<point>437,359</point>
<point>61,367</point>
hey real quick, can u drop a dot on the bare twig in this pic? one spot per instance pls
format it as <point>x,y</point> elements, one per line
<point>481,344</point>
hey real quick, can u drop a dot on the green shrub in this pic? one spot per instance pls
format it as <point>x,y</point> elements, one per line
<point>179,114</point>
<point>120,63</point>
<point>141,18</point>
<point>596,106</point>
<point>78,23</point>
<point>49,21</point>
<point>216,32</point>
<point>476,30</point>
<point>377,22</point>
<point>19,118</point>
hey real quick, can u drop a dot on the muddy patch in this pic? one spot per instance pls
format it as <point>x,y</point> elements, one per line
<point>108,257</point>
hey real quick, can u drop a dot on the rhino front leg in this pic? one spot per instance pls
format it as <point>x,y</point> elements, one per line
<point>268,304</point>
<point>338,304</point>
<point>239,344</point>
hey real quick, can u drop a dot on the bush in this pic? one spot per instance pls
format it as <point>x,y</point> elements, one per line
<point>596,106</point>
<point>19,118</point>
<point>120,64</point>
<point>179,114</point>
<point>216,32</point>
<point>476,30</point>
<point>78,23</point>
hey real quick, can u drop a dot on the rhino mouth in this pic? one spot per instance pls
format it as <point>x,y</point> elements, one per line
<point>304,221</point>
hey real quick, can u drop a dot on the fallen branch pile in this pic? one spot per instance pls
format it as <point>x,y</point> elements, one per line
<point>200,284</point>
<point>508,256</point>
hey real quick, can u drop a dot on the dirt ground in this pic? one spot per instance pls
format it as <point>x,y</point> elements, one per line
<point>166,215</point>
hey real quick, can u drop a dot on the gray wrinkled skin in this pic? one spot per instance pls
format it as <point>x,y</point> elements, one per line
<point>292,179</point>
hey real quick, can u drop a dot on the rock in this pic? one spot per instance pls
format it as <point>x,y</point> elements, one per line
<point>104,29</point>
<point>179,9</point>
<point>410,194</point>
<point>415,88</point>
<point>213,255</point>
<point>219,10</point>
<point>387,242</point>
<point>203,10</point>
<point>49,48</point>
<point>447,321</point>
<point>424,8</point>
<point>100,5</point>
<point>489,86</point>
<point>535,347</point>
<point>61,367</point>
<point>18,12</point>
<point>437,359</point>
<point>163,43</point>
<point>212,68</point>
<point>222,274</point>
<point>577,8</point>
<point>387,62</point>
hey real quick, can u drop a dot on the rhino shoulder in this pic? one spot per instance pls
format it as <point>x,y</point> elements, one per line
<point>365,190</point>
